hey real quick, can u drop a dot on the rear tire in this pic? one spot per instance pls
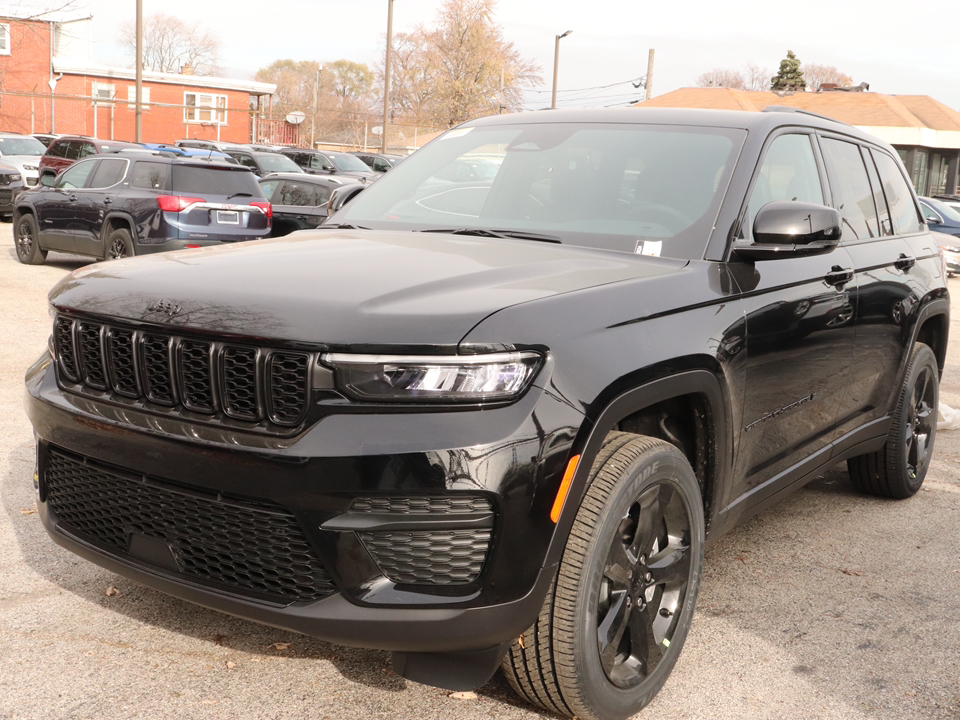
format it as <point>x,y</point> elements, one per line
<point>27,240</point>
<point>119,244</point>
<point>616,617</point>
<point>898,469</point>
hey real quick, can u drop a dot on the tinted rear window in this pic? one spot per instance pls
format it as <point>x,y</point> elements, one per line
<point>151,175</point>
<point>212,181</point>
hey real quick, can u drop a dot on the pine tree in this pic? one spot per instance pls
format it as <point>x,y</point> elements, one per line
<point>789,76</point>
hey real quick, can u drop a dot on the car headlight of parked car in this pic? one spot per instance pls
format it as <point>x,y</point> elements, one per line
<point>456,379</point>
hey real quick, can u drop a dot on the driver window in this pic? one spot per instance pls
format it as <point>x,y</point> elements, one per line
<point>77,175</point>
<point>789,172</point>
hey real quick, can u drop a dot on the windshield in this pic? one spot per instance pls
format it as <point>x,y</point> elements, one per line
<point>349,163</point>
<point>21,146</point>
<point>278,163</point>
<point>647,189</point>
<point>947,211</point>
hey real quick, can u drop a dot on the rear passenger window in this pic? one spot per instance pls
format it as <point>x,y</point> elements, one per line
<point>903,210</point>
<point>303,194</point>
<point>108,173</point>
<point>87,149</point>
<point>858,211</point>
<point>72,151</point>
<point>151,176</point>
<point>789,172</point>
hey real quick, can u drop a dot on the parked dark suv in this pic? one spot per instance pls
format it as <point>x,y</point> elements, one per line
<point>494,423</point>
<point>137,203</point>
<point>327,162</point>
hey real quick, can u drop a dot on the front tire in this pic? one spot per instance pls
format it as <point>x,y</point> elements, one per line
<point>614,622</point>
<point>27,240</point>
<point>898,469</point>
<point>119,245</point>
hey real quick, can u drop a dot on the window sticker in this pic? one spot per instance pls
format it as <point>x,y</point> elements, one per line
<point>649,247</point>
<point>459,132</point>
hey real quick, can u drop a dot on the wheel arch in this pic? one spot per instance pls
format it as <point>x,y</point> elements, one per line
<point>117,221</point>
<point>933,327</point>
<point>693,402</point>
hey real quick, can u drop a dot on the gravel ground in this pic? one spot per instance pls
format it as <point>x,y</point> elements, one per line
<point>830,605</point>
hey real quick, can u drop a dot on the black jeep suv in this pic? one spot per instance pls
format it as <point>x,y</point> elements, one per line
<point>138,202</point>
<point>493,423</point>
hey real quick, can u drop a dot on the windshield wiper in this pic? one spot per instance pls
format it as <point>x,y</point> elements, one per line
<point>487,232</point>
<point>344,226</point>
<point>244,194</point>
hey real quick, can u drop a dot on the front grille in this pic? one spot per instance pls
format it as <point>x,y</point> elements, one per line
<point>450,552</point>
<point>429,557</point>
<point>248,548</point>
<point>224,381</point>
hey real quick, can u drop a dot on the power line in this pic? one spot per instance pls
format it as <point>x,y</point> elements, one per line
<point>597,87</point>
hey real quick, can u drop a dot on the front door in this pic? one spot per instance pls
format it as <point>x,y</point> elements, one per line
<point>58,212</point>
<point>800,329</point>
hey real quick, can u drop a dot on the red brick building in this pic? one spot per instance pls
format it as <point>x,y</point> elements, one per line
<point>48,84</point>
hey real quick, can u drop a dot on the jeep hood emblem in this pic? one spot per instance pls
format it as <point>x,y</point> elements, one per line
<point>167,308</point>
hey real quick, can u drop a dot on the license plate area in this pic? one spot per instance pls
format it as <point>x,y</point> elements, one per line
<point>228,217</point>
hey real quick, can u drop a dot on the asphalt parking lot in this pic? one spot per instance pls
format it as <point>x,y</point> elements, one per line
<point>830,605</point>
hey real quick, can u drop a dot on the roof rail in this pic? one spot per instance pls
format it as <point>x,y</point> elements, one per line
<point>788,109</point>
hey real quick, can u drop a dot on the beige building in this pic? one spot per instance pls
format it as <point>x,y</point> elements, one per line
<point>924,131</point>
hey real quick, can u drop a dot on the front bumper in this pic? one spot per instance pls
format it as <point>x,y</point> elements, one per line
<point>512,457</point>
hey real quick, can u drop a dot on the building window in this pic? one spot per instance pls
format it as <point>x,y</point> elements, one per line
<point>5,39</point>
<point>200,108</point>
<point>132,97</point>
<point>104,93</point>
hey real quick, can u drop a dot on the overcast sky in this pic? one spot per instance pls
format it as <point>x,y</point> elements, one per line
<point>884,43</point>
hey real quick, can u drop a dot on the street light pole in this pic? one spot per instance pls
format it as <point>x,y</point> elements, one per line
<point>386,77</point>
<point>316,93</point>
<point>139,81</point>
<point>556,66</point>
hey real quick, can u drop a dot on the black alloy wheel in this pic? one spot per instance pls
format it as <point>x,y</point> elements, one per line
<point>119,245</point>
<point>615,619</point>
<point>645,579</point>
<point>27,241</point>
<point>897,470</point>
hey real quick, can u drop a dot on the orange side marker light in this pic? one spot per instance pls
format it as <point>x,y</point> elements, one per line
<point>564,488</point>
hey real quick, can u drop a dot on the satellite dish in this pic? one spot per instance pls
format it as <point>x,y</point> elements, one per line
<point>378,130</point>
<point>296,117</point>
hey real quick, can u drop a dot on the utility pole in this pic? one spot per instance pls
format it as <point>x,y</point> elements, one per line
<point>139,61</point>
<point>316,94</point>
<point>556,66</point>
<point>386,78</point>
<point>649,87</point>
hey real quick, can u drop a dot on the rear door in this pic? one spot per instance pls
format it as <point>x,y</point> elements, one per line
<point>94,202</point>
<point>301,205</point>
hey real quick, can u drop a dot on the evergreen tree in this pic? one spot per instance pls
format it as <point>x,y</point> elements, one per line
<point>789,76</point>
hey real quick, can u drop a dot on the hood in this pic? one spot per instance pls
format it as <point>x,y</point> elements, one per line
<point>340,289</point>
<point>24,163</point>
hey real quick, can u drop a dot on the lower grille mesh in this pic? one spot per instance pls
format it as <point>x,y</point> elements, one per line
<point>248,548</point>
<point>429,557</point>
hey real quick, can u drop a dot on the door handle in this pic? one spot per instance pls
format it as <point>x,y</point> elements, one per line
<point>107,201</point>
<point>838,276</point>
<point>72,198</point>
<point>904,262</point>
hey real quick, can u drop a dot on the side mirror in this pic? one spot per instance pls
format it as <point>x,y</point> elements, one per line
<point>791,229</point>
<point>342,195</point>
<point>328,168</point>
<point>48,177</point>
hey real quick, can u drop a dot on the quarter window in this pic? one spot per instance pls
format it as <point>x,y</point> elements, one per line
<point>4,39</point>
<point>201,108</point>
<point>903,210</point>
<point>151,176</point>
<point>858,211</point>
<point>789,172</point>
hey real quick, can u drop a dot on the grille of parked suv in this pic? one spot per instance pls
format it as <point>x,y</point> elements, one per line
<point>223,380</point>
<point>436,556</point>
<point>248,548</point>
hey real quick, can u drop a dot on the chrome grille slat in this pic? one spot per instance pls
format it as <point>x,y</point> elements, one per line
<point>231,383</point>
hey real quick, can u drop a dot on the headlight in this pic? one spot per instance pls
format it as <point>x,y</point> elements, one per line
<point>951,248</point>
<point>30,167</point>
<point>429,378</point>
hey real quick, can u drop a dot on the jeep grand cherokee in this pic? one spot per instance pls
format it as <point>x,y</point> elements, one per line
<point>494,422</point>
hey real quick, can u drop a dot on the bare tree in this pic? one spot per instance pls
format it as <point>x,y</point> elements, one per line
<point>460,68</point>
<point>816,75</point>
<point>720,77</point>
<point>756,78</point>
<point>169,43</point>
